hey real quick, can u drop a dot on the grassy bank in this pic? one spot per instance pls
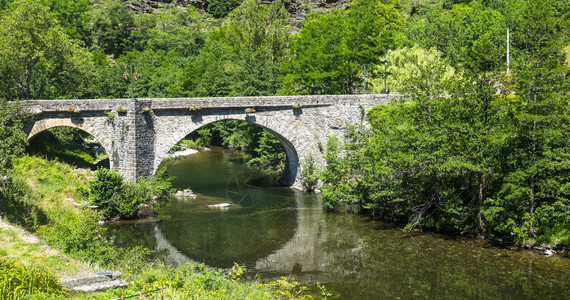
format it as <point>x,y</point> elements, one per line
<point>71,243</point>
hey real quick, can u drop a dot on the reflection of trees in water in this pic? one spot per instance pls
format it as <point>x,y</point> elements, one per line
<point>391,263</point>
<point>345,245</point>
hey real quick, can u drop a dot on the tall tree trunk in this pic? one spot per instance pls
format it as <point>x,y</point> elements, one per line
<point>28,83</point>
<point>480,203</point>
<point>428,77</point>
<point>22,88</point>
<point>533,141</point>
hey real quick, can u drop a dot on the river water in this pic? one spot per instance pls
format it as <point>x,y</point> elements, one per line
<point>274,231</point>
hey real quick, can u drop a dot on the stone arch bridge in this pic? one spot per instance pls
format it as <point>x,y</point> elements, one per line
<point>138,139</point>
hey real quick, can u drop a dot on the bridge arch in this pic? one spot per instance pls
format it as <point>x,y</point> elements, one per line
<point>138,133</point>
<point>288,141</point>
<point>45,124</point>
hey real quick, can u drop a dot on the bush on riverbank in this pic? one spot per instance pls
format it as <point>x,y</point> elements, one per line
<point>115,197</point>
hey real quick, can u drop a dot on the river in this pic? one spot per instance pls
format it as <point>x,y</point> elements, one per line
<point>274,231</point>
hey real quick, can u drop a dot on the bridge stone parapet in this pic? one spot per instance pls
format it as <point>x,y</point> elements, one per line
<point>137,140</point>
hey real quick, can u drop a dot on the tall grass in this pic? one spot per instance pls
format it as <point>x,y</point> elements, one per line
<point>17,280</point>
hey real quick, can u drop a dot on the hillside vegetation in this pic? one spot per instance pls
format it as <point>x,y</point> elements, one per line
<point>476,149</point>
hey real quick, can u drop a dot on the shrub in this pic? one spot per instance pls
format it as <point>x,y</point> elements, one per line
<point>309,172</point>
<point>132,196</point>
<point>161,185</point>
<point>72,231</point>
<point>104,190</point>
<point>115,197</point>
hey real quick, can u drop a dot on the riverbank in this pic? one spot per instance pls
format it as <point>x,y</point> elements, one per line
<point>562,250</point>
<point>44,230</point>
<point>25,250</point>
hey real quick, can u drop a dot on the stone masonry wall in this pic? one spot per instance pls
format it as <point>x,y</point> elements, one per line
<point>137,141</point>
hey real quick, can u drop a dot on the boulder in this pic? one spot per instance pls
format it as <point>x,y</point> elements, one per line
<point>221,205</point>
<point>187,193</point>
<point>145,210</point>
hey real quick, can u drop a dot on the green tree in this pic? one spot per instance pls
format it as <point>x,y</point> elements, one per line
<point>71,14</point>
<point>113,29</point>
<point>478,37</point>
<point>330,48</point>
<point>320,63</point>
<point>474,160</point>
<point>160,73</point>
<point>473,135</point>
<point>221,8</point>
<point>309,172</point>
<point>472,38</point>
<point>269,153</point>
<point>13,139</point>
<point>340,178</point>
<point>535,157</point>
<point>108,81</point>
<point>178,29</point>
<point>210,74</point>
<point>408,70</point>
<point>40,58</point>
<point>243,57</point>
<point>4,4</point>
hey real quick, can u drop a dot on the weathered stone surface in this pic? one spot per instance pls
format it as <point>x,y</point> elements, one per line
<point>101,286</point>
<point>94,282</point>
<point>187,193</point>
<point>221,205</point>
<point>138,141</point>
<point>145,210</point>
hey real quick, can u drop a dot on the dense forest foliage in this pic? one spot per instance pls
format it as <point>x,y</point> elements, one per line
<point>481,147</point>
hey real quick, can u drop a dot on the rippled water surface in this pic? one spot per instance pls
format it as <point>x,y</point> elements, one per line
<point>275,231</point>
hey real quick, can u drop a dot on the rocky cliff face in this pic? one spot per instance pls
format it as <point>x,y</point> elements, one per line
<point>300,8</point>
<point>297,8</point>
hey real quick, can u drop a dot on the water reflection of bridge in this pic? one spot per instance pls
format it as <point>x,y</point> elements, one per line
<point>306,257</point>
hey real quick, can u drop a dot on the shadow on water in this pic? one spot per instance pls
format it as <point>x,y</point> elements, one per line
<point>285,232</point>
